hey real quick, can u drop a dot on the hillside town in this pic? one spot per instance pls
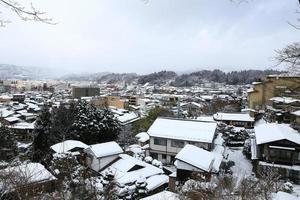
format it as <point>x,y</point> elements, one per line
<point>149,100</point>
<point>87,140</point>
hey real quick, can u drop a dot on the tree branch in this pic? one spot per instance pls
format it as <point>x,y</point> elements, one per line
<point>24,13</point>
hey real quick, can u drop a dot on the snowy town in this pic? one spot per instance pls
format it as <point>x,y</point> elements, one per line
<point>149,100</point>
<point>71,141</point>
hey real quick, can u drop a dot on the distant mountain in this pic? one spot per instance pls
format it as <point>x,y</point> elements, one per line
<point>161,77</point>
<point>115,77</point>
<point>83,76</point>
<point>232,78</point>
<point>23,73</point>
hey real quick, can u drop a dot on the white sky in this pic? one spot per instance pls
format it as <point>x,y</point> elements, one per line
<point>134,36</point>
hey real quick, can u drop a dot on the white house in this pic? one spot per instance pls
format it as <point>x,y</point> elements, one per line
<point>194,159</point>
<point>169,135</point>
<point>101,155</point>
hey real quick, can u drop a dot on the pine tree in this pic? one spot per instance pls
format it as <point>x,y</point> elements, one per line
<point>8,140</point>
<point>94,126</point>
<point>141,190</point>
<point>42,135</point>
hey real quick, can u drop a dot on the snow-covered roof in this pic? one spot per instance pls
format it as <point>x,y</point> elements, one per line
<point>204,159</point>
<point>68,145</point>
<point>127,117</point>
<point>12,119</point>
<point>23,125</point>
<point>245,117</point>
<point>188,130</point>
<point>129,169</point>
<point>206,118</point>
<point>297,113</point>
<point>286,100</point>
<point>106,149</point>
<point>271,132</point>
<point>5,113</point>
<point>164,195</point>
<point>156,181</point>
<point>250,90</point>
<point>32,172</point>
<point>142,137</point>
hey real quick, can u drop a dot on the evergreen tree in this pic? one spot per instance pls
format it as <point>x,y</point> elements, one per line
<point>43,137</point>
<point>8,140</point>
<point>94,126</point>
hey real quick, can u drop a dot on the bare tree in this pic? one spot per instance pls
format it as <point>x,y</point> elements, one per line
<point>25,13</point>
<point>290,56</point>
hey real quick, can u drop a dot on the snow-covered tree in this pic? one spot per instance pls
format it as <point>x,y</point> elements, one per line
<point>140,188</point>
<point>94,126</point>
<point>43,136</point>
<point>7,140</point>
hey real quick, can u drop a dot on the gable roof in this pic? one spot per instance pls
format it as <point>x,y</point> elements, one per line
<point>68,145</point>
<point>129,169</point>
<point>106,149</point>
<point>245,117</point>
<point>32,172</point>
<point>271,132</point>
<point>202,159</point>
<point>188,130</point>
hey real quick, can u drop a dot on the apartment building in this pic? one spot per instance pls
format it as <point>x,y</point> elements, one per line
<point>273,86</point>
<point>78,92</point>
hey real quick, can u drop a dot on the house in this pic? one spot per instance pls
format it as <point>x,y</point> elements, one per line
<point>99,156</point>
<point>279,108</point>
<point>202,162</point>
<point>128,170</point>
<point>278,146</point>
<point>18,97</point>
<point>169,135</point>
<point>235,119</point>
<point>23,131</point>
<point>142,138</point>
<point>192,108</point>
<point>29,178</point>
<point>296,119</point>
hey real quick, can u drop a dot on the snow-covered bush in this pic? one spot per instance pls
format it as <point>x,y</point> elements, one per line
<point>287,187</point>
<point>157,163</point>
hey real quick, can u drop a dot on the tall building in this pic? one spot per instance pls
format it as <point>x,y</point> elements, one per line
<point>78,92</point>
<point>273,86</point>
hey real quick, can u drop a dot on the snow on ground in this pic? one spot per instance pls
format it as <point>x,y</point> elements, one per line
<point>296,190</point>
<point>242,167</point>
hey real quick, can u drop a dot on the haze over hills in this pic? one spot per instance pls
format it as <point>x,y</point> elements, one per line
<point>162,77</point>
<point>24,73</point>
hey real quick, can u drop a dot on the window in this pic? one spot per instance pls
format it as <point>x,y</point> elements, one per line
<point>177,143</point>
<point>154,155</point>
<point>160,141</point>
<point>172,159</point>
<point>164,156</point>
<point>280,154</point>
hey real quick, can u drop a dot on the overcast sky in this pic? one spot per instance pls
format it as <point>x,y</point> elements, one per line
<point>140,36</point>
